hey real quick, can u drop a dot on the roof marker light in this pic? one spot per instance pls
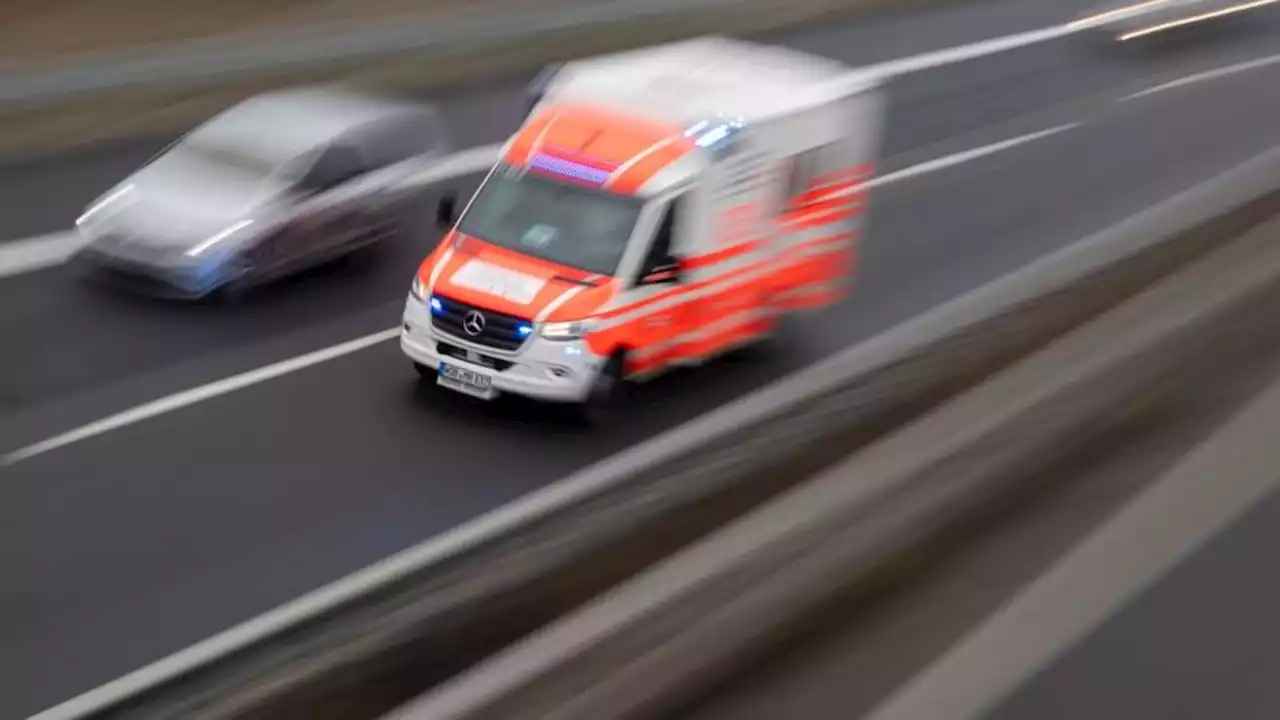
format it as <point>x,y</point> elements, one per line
<point>569,169</point>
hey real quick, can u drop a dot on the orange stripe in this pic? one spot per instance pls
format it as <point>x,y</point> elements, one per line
<point>723,277</point>
<point>732,334</point>
<point>698,262</point>
<point>675,292</point>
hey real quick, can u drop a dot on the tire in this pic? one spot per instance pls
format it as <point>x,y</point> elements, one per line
<point>237,289</point>
<point>424,372</point>
<point>605,397</point>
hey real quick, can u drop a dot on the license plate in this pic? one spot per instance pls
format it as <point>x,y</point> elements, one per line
<point>465,381</point>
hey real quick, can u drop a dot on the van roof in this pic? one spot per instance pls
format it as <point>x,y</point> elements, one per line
<point>704,78</point>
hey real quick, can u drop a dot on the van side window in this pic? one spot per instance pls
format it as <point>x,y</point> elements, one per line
<point>660,251</point>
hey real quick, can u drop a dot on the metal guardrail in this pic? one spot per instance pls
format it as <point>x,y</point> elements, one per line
<point>423,615</point>
<point>207,61</point>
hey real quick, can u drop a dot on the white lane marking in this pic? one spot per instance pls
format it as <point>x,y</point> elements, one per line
<point>199,394</point>
<point>938,58</point>
<point>35,253</point>
<point>1195,19</point>
<point>1103,18</point>
<point>205,392</point>
<point>967,156</point>
<point>1206,75</point>
<point>43,252</point>
<point>1137,547</point>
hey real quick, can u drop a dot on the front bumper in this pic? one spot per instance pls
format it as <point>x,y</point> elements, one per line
<point>540,369</point>
<point>151,278</point>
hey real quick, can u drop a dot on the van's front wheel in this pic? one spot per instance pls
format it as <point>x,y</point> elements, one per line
<point>605,396</point>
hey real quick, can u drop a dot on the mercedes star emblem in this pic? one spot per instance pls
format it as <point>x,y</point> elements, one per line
<point>473,323</point>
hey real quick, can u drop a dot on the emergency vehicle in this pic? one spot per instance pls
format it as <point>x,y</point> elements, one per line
<point>657,208</point>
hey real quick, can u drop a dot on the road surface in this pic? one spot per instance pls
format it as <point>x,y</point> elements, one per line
<point>130,545</point>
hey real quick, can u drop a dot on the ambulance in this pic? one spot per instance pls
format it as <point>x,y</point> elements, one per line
<point>656,209</point>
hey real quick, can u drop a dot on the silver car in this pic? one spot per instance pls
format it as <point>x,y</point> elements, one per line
<point>281,182</point>
<point>1137,19</point>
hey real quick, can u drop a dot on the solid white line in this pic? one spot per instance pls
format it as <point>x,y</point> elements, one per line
<point>938,58</point>
<point>1146,540</point>
<point>1196,18</point>
<point>967,156</point>
<point>37,253</point>
<point>1207,75</point>
<point>190,397</point>
<point>206,392</point>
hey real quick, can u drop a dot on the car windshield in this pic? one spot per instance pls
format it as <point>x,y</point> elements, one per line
<point>233,160</point>
<point>563,223</point>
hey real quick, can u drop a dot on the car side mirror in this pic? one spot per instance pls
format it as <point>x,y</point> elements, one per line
<point>445,211</point>
<point>662,274</point>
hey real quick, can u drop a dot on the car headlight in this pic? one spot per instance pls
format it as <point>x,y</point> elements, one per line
<point>572,330</point>
<point>417,290</point>
<point>203,247</point>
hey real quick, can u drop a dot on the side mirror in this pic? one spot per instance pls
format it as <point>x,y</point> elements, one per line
<point>663,274</point>
<point>445,211</point>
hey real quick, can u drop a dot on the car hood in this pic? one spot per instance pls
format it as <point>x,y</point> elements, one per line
<point>171,205</point>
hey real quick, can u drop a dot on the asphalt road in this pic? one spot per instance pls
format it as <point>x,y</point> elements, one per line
<point>128,546</point>
<point>1202,643</point>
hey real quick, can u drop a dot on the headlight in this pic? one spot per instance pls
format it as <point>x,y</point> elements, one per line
<point>416,289</point>
<point>567,330</point>
<point>217,238</point>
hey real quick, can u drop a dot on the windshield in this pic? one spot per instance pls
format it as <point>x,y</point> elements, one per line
<point>567,224</point>
<point>232,160</point>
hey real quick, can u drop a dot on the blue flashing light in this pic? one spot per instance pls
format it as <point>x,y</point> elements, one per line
<point>713,136</point>
<point>696,128</point>
<point>569,169</point>
<point>708,135</point>
<point>524,330</point>
<point>437,307</point>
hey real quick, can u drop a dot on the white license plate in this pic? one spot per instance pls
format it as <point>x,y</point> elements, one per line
<point>466,381</point>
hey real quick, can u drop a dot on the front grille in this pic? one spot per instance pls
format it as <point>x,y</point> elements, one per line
<point>488,361</point>
<point>500,331</point>
<point>131,276</point>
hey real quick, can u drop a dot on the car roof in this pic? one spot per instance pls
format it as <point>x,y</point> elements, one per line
<point>285,124</point>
